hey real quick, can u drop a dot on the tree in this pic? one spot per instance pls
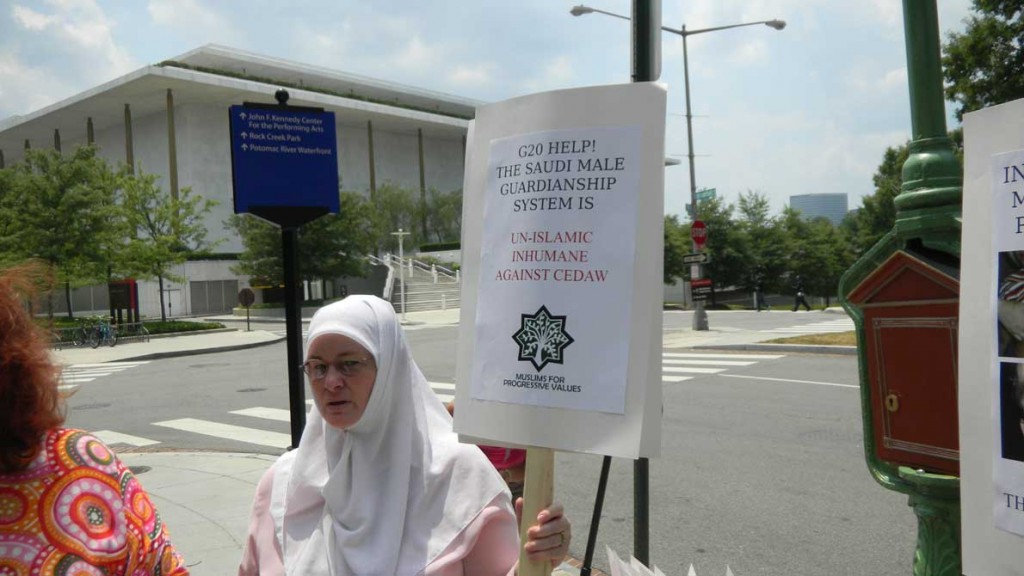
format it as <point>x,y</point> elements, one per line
<point>677,245</point>
<point>396,208</point>
<point>984,65</point>
<point>761,242</point>
<point>329,247</point>
<point>877,216</point>
<point>444,216</point>
<point>163,231</point>
<point>725,244</point>
<point>61,209</point>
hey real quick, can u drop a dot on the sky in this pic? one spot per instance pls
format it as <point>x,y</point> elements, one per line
<point>809,109</point>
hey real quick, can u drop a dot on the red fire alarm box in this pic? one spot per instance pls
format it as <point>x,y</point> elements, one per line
<point>911,315</point>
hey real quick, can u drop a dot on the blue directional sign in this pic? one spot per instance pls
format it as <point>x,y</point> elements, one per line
<point>283,158</point>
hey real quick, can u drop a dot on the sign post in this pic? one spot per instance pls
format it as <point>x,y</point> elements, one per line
<point>699,233</point>
<point>564,190</point>
<point>284,166</point>
<point>246,298</point>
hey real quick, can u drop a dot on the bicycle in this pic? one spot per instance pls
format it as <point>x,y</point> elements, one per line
<point>103,333</point>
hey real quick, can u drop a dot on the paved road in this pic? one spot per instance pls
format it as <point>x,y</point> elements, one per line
<point>762,466</point>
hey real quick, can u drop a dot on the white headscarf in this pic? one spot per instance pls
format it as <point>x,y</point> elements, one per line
<point>393,491</point>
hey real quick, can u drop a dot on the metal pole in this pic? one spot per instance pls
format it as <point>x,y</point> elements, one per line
<point>293,326</point>
<point>595,520</point>
<point>645,34</point>
<point>700,316</point>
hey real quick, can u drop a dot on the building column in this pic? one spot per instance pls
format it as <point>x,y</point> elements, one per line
<point>172,146</point>
<point>56,140</point>
<point>423,185</point>
<point>28,146</point>
<point>1,160</point>
<point>129,146</point>
<point>373,167</point>
<point>90,138</point>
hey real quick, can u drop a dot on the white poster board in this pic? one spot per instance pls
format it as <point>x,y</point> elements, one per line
<point>560,328</point>
<point>990,360</point>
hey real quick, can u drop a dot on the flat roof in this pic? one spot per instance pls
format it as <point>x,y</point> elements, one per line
<point>390,107</point>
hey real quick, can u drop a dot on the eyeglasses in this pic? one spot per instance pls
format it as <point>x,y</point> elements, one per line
<point>347,367</point>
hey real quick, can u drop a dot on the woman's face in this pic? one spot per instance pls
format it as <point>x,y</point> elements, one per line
<point>341,374</point>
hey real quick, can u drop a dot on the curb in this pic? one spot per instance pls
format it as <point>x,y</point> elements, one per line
<point>198,351</point>
<point>792,348</point>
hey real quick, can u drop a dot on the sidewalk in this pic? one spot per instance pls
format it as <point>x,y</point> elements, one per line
<point>205,497</point>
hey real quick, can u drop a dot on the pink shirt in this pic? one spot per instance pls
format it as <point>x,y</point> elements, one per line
<point>489,546</point>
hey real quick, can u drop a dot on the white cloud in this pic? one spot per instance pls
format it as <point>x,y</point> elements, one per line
<point>56,50</point>
<point>194,22</point>
<point>30,19</point>
<point>557,73</point>
<point>469,75</point>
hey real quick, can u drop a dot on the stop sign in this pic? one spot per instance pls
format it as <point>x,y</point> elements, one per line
<point>698,233</point>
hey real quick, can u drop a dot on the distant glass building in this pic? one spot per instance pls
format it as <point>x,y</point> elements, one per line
<point>831,206</point>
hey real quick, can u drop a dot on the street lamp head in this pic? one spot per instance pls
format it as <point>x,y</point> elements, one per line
<point>777,24</point>
<point>580,10</point>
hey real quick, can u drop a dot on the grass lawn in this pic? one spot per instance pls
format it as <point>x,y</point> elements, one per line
<point>834,339</point>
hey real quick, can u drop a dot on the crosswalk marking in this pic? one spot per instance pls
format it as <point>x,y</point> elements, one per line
<point>110,437</point>
<point>87,372</point>
<point>266,413</point>
<point>676,367</point>
<point>722,356</point>
<point>229,431</point>
<point>686,362</point>
<point>830,326</point>
<point>690,370</point>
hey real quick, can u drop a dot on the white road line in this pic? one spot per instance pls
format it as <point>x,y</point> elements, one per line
<point>674,379</point>
<point>109,364</point>
<point>723,356</point>
<point>790,380</point>
<point>266,413</point>
<point>236,433</point>
<point>110,437</point>
<point>685,370</point>
<point>441,385</point>
<point>682,362</point>
<point>76,380</point>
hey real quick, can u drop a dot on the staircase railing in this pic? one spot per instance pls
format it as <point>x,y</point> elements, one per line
<point>411,265</point>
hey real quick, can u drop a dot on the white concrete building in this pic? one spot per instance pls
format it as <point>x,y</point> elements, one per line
<point>171,119</point>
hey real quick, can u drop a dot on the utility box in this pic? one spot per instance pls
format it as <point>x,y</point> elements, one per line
<point>911,316</point>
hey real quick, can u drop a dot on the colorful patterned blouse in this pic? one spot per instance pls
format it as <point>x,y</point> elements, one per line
<point>78,511</point>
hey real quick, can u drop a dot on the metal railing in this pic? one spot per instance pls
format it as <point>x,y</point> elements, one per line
<point>81,335</point>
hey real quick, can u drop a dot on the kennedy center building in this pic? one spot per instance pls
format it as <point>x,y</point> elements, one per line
<point>171,119</point>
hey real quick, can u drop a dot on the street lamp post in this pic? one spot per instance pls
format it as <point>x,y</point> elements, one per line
<point>401,266</point>
<point>700,316</point>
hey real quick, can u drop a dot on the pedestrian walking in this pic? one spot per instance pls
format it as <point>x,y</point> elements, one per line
<point>799,299</point>
<point>759,301</point>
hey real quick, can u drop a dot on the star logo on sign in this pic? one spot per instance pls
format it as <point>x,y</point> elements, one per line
<point>542,338</point>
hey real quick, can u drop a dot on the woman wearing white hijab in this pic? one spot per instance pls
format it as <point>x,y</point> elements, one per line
<point>379,484</point>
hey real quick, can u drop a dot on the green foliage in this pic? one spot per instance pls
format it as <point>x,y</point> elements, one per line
<point>444,216</point>
<point>726,244</point>
<point>765,245</point>
<point>169,326</point>
<point>440,246</point>
<point>984,65</point>
<point>61,210</point>
<point>162,231</point>
<point>329,247</point>
<point>677,245</point>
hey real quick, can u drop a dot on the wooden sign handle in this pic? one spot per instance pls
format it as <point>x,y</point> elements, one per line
<point>538,493</point>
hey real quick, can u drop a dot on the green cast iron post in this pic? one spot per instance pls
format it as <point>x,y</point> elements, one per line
<point>927,217</point>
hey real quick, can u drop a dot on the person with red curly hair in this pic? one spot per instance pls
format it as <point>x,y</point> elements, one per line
<point>68,505</point>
